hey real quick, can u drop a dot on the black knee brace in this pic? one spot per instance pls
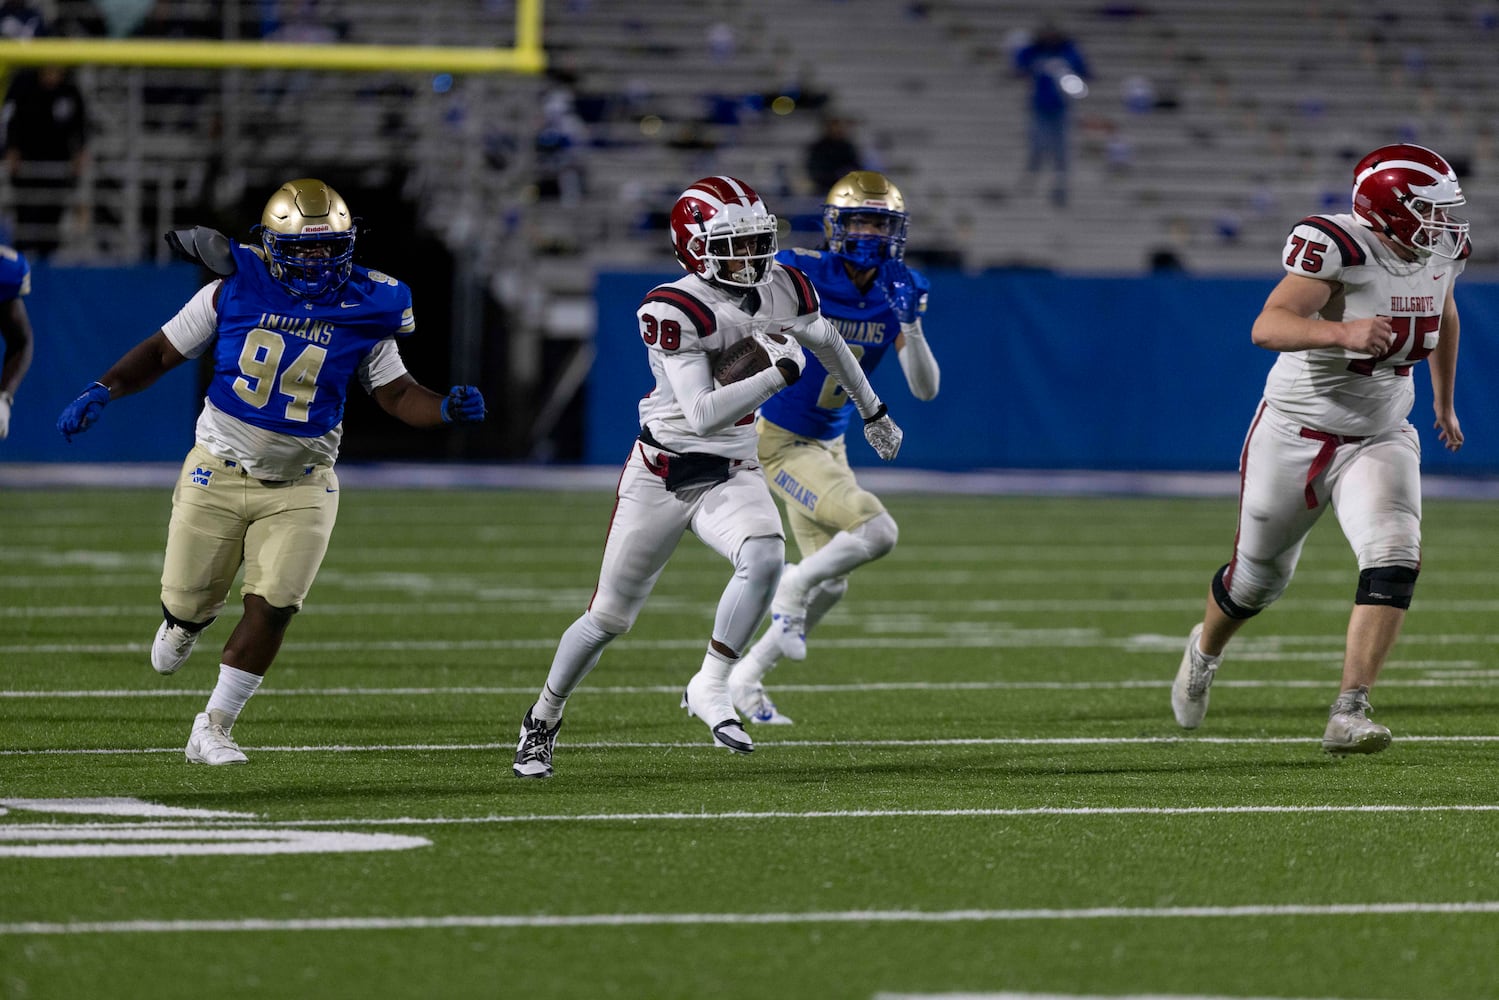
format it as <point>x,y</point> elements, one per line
<point>1390,586</point>
<point>183,623</point>
<point>1225,603</point>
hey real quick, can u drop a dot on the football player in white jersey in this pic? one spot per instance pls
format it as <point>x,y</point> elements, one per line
<point>1366,296</point>
<point>694,466</point>
<point>289,324</point>
<point>877,303</point>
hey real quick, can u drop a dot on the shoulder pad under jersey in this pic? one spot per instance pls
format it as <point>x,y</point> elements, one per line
<point>806,294</point>
<point>697,312</point>
<point>1307,256</point>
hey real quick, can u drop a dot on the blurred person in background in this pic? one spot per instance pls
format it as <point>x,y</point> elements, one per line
<point>20,19</point>
<point>1367,295</point>
<point>832,154</point>
<point>46,147</point>
<point>15,329</point>
<point>693,466</point>
<point>1058,75</point>
<point>289,323</point>
<point>877,303</point>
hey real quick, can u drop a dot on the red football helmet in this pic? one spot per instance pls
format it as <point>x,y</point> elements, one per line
<point>722,232</point>
<point>1404,191</point>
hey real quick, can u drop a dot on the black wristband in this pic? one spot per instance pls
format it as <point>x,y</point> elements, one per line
<point>877,414</point>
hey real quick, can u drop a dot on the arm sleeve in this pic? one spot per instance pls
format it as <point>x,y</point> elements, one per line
<point>707,407</point>
<point>822,338</point>
<point>918,362</point>
<point>382,365</point>
<point>194,326</point>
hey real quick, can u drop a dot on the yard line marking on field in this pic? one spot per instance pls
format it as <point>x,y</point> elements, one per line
<point>118,805</point>
<point>1014,812</point>
<point>977,741</point>
<point>159,841</point>
<point>572,597</point>
<point>1458,679</point>
<point>1064,996</point>
<point>521,920</point>
<point>947,636</point>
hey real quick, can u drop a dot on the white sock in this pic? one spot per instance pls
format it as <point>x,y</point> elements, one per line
<point>230,694</point>
<point>759,661</point>
<point>549,706</point>
<point>822,598</point>
<point>716,666</point>
<point>578,652</point>
<point>846,551</point>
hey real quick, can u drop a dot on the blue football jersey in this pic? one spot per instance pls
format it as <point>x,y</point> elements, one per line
<point>15,274</point>
<point>284,363</point>
<point>816,406</point>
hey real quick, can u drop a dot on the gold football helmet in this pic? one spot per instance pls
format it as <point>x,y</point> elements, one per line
<point>864,219</point>
<point>308,236</point>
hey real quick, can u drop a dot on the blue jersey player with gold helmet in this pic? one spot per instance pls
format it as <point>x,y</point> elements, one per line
<point>877,303</point>
<point>15,330</point>
<point>290,323</point>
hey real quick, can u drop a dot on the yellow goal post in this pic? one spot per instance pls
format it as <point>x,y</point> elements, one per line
<point>526,56</point>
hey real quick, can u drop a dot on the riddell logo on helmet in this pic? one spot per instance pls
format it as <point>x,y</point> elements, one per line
<point>321,227</point>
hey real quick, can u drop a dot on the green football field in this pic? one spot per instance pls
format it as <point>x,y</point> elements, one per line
<point>984,792</point>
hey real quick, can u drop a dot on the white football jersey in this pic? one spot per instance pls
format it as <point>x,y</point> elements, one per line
<point>692,317</point>
<point>1344,392</point>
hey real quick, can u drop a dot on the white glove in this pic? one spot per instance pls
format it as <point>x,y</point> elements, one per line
<point>785,353</point>
<point>882,434</point>
<point>4,415</point>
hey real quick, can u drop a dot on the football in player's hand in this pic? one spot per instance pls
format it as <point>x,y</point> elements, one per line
<point>738,362</point>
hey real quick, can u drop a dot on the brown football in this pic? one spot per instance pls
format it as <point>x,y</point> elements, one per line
<point>739,361</point>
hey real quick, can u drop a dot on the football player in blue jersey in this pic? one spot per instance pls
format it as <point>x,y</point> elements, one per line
<point>15,330</point>
<point>290,322</point>
<point>876,302</point>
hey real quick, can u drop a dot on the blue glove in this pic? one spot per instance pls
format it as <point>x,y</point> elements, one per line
<point>79,415</point>
<point>905,298</point>
<point>464,405</point>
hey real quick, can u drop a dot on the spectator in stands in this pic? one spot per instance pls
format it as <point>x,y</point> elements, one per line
<point>832,154</point>
<point>46,148</point>
<point>19,19</point>
<point>15,330</point>
<point>1058,73</point>
<point>560,143</point>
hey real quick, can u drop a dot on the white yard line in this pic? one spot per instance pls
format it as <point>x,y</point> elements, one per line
<point>763,744</point>
<point>961,635</point>
<point>1457,668</point>
<point>1063,996</point>
<point>249,925</point>
<point>572,597</point>
<point>736,816</point>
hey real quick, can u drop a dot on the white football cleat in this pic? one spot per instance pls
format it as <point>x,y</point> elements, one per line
<point>1189,692</point>
<point>1349,728</point>
<point>173,645</point>
<point>709,700</point>
<point>533,754</point>
<point>751,701</point>
<point>210,743</point>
